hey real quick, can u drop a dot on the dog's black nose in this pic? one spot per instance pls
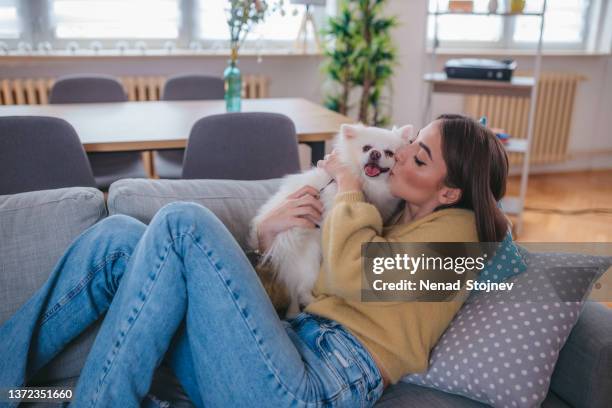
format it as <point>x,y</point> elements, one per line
<point>374,155</point>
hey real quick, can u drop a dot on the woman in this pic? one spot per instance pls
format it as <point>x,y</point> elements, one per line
<point>182,288</point>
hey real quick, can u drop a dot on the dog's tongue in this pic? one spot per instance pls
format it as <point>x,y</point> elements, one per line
<point>372,170</point>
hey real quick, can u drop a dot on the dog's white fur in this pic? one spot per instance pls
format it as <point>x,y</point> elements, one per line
<point>295,254</point>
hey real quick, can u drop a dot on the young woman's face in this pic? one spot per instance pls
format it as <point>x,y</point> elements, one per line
<point>419,169</point>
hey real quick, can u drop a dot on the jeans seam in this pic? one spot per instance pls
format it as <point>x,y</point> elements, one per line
<point>269,364</point>
<point>114,351</point>
<point>82,283</point>
<point>342,383</point>
<point>357,356</point>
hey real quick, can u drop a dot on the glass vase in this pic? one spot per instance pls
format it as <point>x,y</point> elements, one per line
<point>233,86</point>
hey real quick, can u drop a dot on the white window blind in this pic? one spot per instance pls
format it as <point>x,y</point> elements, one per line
<point>102,19</point>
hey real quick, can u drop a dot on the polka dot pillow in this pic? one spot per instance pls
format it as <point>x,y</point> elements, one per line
<point>501,347</point>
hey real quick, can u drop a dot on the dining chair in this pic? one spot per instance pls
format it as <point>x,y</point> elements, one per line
<point>193,87</point>
<point>107,167</point>
<point>41,153</point>
<point>242,146</point>
<point>189,87</point>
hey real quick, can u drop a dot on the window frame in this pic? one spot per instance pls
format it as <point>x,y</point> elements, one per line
<point>507,41</point>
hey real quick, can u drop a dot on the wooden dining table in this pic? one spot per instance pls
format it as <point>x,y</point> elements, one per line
<point>158,125</point>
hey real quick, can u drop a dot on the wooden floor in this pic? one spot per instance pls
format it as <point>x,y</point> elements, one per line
<point>567,191</point>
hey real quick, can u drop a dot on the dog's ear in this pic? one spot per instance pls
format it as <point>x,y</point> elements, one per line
<point>348,131</point>
<point>405,132</point>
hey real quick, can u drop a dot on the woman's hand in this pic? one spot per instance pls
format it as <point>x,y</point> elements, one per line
<point>346,179</point>
<point>300,209</point>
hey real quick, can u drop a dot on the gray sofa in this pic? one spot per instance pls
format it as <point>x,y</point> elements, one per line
<point>36,227</point>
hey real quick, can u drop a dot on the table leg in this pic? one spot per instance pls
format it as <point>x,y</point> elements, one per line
<point>147,158</point>
<point>317,151</point>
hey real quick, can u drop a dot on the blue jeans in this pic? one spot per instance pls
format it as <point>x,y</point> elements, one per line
<point>181,289</point>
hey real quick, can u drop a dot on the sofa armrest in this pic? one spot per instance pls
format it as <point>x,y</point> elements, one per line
<point>583,374</point>
<point>235,202</point>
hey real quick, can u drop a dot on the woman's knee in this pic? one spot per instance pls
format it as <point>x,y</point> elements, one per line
<point>121,230</point>
<point>185,217</point>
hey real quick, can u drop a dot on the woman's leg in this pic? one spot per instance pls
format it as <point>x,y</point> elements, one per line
<point>188,272</point>
<point>78,291</point>
<point>234,351</point>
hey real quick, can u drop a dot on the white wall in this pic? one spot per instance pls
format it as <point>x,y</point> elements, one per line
<point>301,76</point>
<point>289,75</point>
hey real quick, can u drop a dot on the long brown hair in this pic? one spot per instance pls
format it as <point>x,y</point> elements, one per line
<point>476,163</point>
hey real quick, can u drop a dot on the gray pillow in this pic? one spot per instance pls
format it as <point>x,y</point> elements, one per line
<point>35,229</point>
<point>235,202</point>
<point>501,347</point>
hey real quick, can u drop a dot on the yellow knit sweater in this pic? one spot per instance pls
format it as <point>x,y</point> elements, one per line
<point>400,334</point>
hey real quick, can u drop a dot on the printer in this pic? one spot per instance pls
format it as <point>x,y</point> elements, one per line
<point>473,68</point>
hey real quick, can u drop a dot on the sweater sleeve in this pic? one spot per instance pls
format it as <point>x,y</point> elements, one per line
<point>351,222</point>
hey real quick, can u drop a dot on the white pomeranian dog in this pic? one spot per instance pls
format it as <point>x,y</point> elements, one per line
<point>295,255</point>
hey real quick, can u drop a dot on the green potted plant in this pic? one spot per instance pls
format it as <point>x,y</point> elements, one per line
<point>360,56</point>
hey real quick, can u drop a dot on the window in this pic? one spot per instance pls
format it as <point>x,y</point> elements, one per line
<point>106,19</point>
<point>86,26</point>
<point>212,18</point>
<point>9,20</point>
<point>466,28</point>
<point>566,24</point>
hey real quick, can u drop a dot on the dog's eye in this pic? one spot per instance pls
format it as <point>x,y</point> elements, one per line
<point>388,153</point>
<point>366,148</point>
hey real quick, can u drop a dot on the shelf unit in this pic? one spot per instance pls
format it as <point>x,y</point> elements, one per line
<point>518,86</point>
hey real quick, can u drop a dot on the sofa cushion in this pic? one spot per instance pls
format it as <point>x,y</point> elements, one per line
<point>35,230</point>
<point>235,202</point>
<point>502,346</point>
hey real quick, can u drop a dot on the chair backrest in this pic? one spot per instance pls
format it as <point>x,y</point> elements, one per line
<point>41,153</point>
<point>87,89</point>
<point>193,87</point>
<point>241,146</point>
